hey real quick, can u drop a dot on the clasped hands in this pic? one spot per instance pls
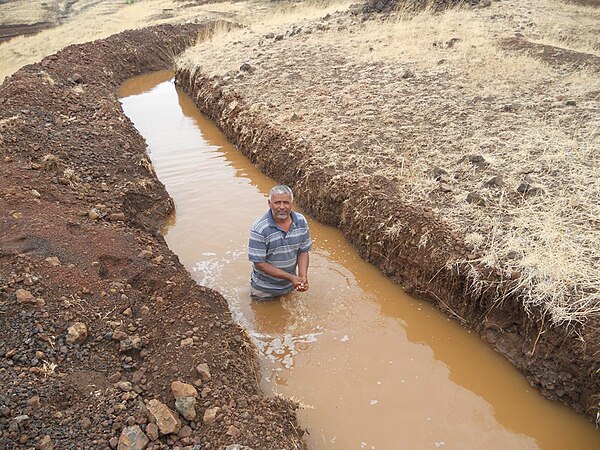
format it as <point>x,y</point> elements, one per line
<point>300,283</point>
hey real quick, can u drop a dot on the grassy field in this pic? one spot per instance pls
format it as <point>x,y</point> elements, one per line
<point>502,145</point>
<point>87,20</point>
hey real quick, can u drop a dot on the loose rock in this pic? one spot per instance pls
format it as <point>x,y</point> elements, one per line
<point>168,421</point>
<point>204,371</point>
<point>132,438</point>
<point>77,333</point>
<point>182,390</point>
<point>186,406</point>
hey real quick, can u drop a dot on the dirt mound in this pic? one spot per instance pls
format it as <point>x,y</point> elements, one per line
<point>384,6</point>
<point>106,339</point>
<point>10,31</point>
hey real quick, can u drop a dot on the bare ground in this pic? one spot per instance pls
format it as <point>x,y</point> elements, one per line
<point>457,151</point>
<point>80,248</point>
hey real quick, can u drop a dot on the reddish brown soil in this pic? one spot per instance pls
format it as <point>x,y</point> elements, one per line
<point>553,358</point>
<point>114,272</point>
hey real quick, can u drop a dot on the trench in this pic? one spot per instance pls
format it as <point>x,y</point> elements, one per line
<point>372,367</point>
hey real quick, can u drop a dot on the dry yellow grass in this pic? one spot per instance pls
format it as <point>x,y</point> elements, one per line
<point>96,19</point>
<point>405,96</point>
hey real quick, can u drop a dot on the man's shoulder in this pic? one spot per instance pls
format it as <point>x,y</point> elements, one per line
<point>262,223</point>
<point>301,220</point>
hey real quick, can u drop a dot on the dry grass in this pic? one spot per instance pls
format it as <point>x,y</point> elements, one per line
<point>577,30</point>
<point>402,97</point>
<point>96,19</point>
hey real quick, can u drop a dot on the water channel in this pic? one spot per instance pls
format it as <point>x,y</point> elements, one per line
<point>375,368</point>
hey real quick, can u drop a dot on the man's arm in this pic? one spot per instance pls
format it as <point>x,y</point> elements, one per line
<point>275,272</point>
<point>303,260</point>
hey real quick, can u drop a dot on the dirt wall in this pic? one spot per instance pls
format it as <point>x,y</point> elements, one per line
<point>102,326</point>
<point>562,363</point>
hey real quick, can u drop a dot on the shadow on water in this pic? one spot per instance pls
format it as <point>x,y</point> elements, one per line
<point>378,368</point>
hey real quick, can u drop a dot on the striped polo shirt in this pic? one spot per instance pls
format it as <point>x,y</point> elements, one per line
<point>269,243</point>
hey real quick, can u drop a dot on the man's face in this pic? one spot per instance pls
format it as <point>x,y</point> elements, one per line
<point>281,206</point>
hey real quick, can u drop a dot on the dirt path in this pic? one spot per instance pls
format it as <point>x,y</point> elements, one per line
<point>102,326</point>
<point>449,151</point>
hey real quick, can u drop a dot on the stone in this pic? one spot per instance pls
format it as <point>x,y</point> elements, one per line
<point>24,296</point>
<point>119,335</point>
<point>495,181</point>
<point>35,193</point>
<point>526,188</point>
<point>124,386</point>
<point>77,333</point>
<point>113,442</point>
<point>204,371</point>
<point>77,78</point>
<point>127,312</point>
<point>34,401</point>
<point>168,421</point>
<point>233,431</point>
<point>18,422</point>
<point>437,173</point>
<point>246,68</point>
<point>132,438</point>
<point>145,254</point>
<point>475,199</point>
<point>138,376</point>
<point>408,74</point>
<point>186,343</point>
<point>210,415</point>
<point>46,443</point>
<point>477,160</point>
<point>182,390</point>
<point>94,214</point>
<point>185,432</point>
<point>186,406</point>
<point>117,217</point>
<point>131,343</point>
<point>152,431</point>
<point>53,261</point>
<point>86,423</point>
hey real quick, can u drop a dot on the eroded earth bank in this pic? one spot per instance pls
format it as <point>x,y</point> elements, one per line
<point>106,340</point>
<point>437,153</point>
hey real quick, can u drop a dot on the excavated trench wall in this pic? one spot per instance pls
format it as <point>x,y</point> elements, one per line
<point>66,107</point>
<point>415,255</point>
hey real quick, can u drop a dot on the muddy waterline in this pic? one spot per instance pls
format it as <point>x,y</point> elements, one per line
<point>375,368</point>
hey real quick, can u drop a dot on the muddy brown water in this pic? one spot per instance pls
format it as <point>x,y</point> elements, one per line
<point>374,368</point>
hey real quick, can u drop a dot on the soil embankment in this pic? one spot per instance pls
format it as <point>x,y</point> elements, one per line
<point>420,249</point>
<point>102,326</point>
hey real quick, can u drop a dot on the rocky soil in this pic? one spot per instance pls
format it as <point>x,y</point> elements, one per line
<point>106,341</point>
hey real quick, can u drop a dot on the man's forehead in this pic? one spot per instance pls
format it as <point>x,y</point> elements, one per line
<point>280,197</point>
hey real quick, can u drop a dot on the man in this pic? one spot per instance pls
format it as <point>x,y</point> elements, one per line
<point>279,244</point>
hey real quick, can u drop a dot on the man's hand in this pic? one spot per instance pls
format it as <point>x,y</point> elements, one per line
<point>303,286</point>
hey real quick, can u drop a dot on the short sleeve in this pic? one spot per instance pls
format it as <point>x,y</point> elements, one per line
<point>257,247</point>
<point>306,244</point>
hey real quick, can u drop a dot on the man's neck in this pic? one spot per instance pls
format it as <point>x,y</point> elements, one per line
<point>283,223</point>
